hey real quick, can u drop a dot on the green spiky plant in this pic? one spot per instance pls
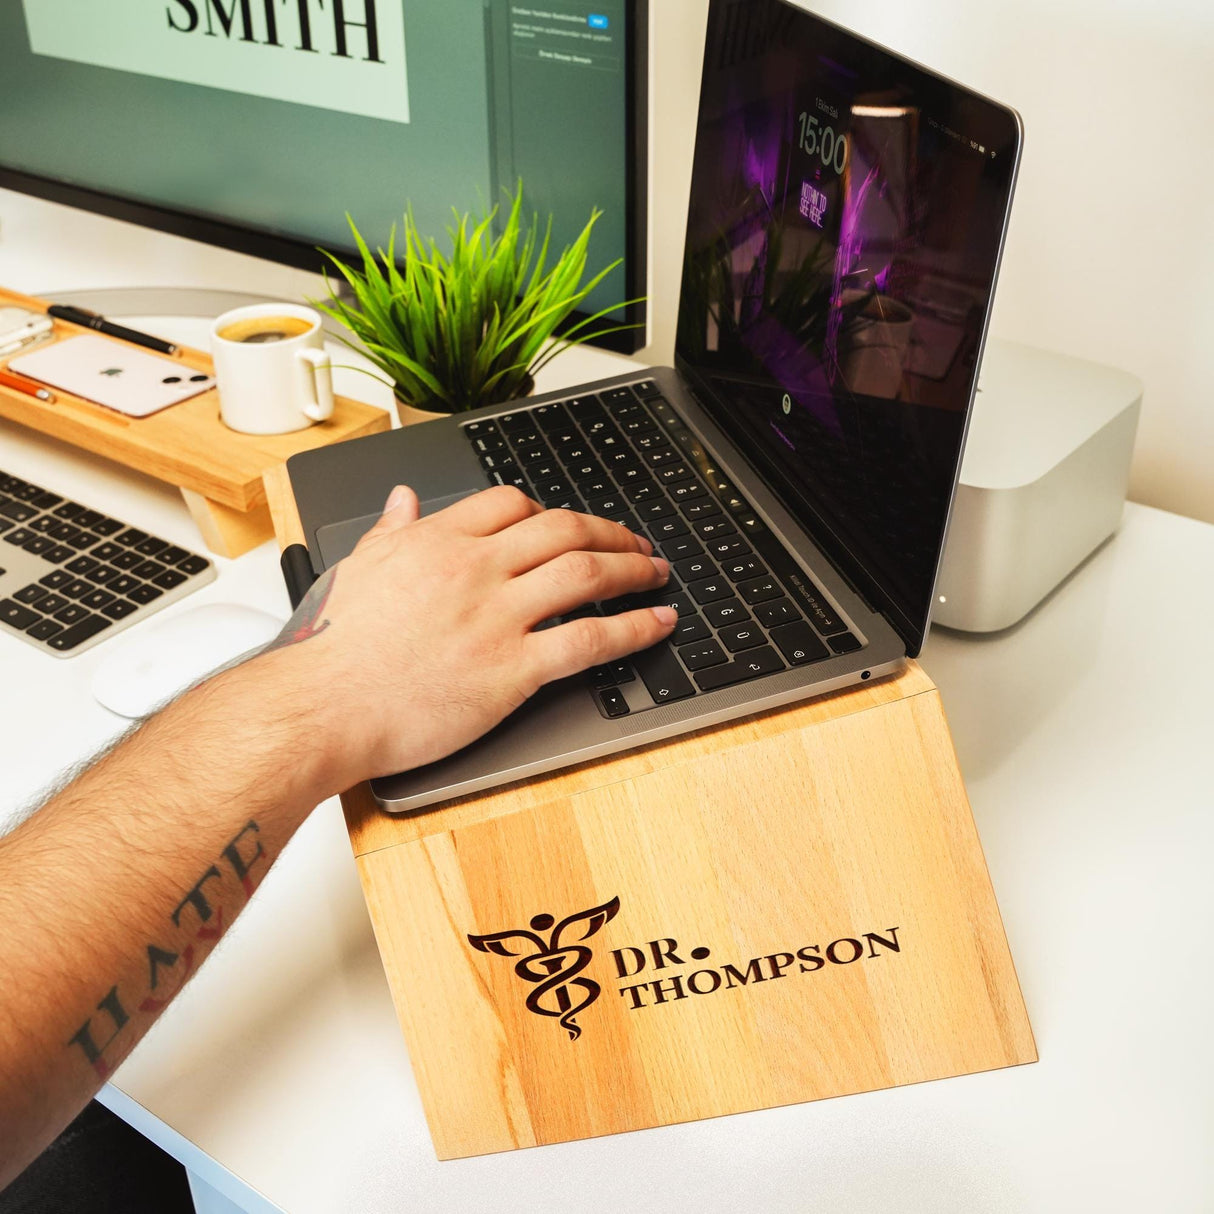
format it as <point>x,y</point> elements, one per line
<point>473,328</point>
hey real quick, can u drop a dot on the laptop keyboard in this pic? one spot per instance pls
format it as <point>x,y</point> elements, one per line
<point>746,608</point>
<point>70,577</point>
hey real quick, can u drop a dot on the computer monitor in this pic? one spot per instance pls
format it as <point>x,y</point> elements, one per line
<point>257,125</point>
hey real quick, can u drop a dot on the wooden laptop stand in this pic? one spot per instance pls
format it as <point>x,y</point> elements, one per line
<point>217,470</point>
<point>780,909</point>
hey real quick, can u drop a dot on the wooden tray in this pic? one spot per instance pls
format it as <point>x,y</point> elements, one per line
<point>781,909</point>
<point>218,471</point>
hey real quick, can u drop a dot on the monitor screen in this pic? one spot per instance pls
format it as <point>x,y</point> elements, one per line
<point>847,216</point>
<point>258,124</point>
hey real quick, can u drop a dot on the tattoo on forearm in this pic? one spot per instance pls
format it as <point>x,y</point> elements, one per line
<point>197,899</point>
<point>112,1007</point>
<point>307,621</point>
<point>242,864</point>
<point>168,968</point>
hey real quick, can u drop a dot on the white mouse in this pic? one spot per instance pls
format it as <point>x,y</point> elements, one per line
<point>160,660</point>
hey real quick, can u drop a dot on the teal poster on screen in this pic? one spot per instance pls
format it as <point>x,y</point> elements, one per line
<point>344,55</point>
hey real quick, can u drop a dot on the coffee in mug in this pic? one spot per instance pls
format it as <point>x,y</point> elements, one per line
<point>261,330</point>
<point>274,374</point>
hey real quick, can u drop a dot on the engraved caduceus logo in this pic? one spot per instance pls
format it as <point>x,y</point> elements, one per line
<point>555,963</point>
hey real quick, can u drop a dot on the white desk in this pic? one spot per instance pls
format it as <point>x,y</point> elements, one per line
<point>280,1077</point>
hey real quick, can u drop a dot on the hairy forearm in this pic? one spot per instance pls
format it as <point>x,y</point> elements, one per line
<point>112,894</point>
<point>422,639</point>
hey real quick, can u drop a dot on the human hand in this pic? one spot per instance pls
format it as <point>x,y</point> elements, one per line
<point>424,637</point>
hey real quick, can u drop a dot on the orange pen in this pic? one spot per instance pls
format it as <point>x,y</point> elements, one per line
<point>22,383</point>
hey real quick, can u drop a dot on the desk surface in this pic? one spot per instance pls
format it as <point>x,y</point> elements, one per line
<point>280,1076</point>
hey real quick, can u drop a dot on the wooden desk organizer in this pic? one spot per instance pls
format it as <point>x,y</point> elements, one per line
<point>218,471</point>
<point>776,910</point>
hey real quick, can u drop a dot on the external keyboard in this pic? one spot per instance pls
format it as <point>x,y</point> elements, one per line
<point>70,577</point>
<point>746,608</point>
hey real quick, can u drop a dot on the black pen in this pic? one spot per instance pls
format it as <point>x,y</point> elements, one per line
<point>90,320</point>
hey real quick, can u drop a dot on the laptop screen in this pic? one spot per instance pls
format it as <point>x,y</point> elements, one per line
<point>846,219</point>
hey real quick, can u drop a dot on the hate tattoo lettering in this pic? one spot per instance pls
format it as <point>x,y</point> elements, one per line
<point>169,968</point>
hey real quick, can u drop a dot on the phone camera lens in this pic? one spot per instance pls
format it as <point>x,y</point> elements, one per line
<point>171,379</point>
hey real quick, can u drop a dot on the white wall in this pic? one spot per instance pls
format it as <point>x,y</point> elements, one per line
<point>1110,255</point>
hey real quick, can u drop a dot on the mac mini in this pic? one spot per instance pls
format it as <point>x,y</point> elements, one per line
<point>1043,482</point>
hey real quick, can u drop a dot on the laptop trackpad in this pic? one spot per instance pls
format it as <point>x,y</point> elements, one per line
<point>337,540</point>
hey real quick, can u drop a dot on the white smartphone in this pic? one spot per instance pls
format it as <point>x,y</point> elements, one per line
<point>20,328</point>
<point>113,374</point>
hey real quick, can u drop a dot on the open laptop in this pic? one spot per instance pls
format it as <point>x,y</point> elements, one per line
<point>797,465</point>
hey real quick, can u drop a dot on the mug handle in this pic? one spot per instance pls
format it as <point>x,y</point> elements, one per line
<point>320,408</point>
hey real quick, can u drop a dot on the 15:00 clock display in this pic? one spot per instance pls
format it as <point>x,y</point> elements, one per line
<point>821,141</point>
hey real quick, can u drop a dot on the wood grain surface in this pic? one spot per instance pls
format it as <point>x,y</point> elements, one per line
<point>370,828</point>
<point>852,829</point>
<point>186,445</point>
<point>822,861</point>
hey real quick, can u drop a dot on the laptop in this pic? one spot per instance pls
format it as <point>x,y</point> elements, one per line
<point>797,464</point>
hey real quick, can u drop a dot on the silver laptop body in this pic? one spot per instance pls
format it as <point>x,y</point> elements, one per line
<point>832,315</point>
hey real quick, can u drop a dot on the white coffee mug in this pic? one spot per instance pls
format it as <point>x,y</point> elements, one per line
<point>273,381</point>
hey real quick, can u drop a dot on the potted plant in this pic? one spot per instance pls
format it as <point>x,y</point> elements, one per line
<point>473,327</point>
